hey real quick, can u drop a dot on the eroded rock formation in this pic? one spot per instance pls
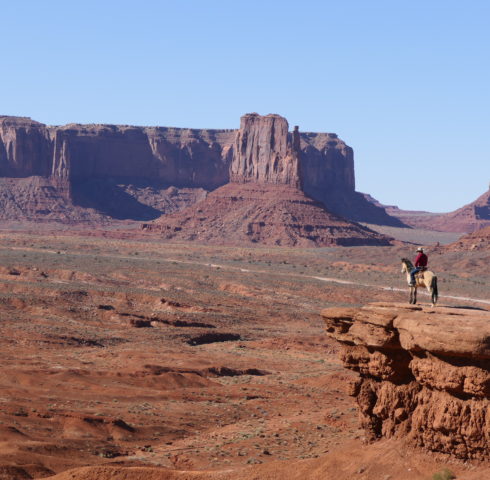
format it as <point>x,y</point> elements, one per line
<point>112,169</point>
<point>264,202</point>
<point>179,156</point>
<point>265,151</point>
<point>424,374</point>
<point>25,148</point>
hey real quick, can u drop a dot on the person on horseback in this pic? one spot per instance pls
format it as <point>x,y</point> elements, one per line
<point>420,263</point>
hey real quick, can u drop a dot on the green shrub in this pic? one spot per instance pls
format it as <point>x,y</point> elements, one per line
<point>444,474</point>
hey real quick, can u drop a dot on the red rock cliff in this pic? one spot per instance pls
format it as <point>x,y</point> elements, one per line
<point>94,162</point>
<point>178,156</point>
<point>424,373</point>
<point>181,157</point>
<point>265,151</point>
<point>25,148</point>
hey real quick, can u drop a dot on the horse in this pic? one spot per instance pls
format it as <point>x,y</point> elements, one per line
<point>425,278</point>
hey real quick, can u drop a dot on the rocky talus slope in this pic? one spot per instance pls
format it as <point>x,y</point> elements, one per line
<point>268,215</point>
<point>124,172</point>
<point>424,374</point>
<point>264,202</point>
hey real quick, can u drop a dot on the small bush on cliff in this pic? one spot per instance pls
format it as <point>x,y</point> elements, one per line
<point>445,474</point>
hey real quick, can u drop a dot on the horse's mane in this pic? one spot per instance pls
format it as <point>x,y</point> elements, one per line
<point>407,262</point>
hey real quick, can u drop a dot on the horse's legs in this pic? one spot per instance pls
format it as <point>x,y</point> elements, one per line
<point>412,295</point>
<point>433,296</point>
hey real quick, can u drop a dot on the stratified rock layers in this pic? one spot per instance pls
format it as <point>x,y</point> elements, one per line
<point>424,373</point>
<point>181,157</point>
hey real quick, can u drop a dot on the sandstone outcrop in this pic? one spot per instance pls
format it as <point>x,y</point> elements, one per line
<point>181,157</point>
<point>178,157</point>
<point>424,373</point>
<point>25,148</point>
<point>265,152</point>
<point>264,202</point>
<point>112,169</point>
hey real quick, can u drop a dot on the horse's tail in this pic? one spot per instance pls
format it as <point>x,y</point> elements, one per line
<point>434,289</point>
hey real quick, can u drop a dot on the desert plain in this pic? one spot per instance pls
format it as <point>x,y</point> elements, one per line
<point>120,350</point>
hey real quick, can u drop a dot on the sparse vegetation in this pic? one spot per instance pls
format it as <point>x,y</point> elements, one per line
<point>82,302</point>
<point>444,474</point>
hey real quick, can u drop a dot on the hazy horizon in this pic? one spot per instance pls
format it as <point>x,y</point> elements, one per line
<point>406,86</point>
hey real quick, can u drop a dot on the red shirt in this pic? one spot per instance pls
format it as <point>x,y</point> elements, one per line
<point>421,260</point>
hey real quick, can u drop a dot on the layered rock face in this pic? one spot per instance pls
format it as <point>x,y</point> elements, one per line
<point>179,157</point>
<point>265,152</point>
<point>101,172</point>
<point>424,373</point>
<point>25,148</point>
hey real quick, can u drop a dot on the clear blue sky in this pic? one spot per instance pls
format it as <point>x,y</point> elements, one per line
<point>405,83</point>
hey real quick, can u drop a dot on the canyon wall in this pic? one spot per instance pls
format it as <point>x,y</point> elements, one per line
<point>424,374</point>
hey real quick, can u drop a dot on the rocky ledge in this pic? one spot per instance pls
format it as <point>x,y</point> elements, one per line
<point>424,374</point>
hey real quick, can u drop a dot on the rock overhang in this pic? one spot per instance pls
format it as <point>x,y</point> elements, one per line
<point>424,373</point>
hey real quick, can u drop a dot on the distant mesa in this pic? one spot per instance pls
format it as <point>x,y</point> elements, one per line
<point>264,201</point>
<point>96,174</point>
<point>467,219</point>
<point>471,217</point>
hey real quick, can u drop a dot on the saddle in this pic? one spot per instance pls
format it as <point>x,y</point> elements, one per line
<point>420,274</point>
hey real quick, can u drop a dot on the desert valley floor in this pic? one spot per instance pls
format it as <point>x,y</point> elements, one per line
<point>133,352</point>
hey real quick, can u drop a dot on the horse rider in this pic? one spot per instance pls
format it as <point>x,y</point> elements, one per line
<point>420,264</point>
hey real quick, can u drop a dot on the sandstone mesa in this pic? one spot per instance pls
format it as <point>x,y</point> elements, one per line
<point>264,202</point>
<point>96,172</point>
